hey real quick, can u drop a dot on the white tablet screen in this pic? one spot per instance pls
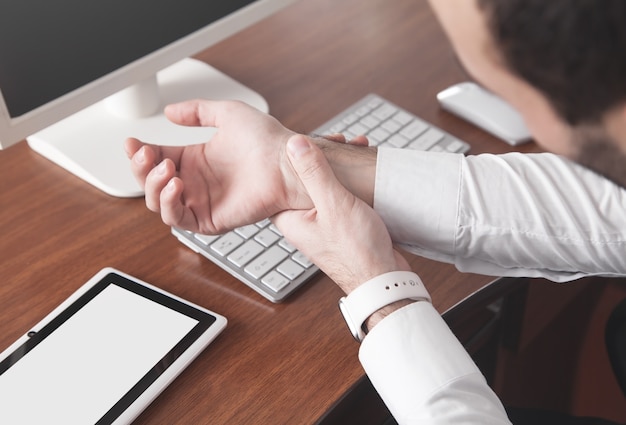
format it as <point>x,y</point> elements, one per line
<point>91,360</point>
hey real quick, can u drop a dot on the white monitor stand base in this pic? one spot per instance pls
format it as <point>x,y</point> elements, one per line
<point>89,143</point>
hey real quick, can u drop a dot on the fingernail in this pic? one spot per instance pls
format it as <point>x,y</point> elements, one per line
<point>298,146</point>
<point>161,168</point>
<point>140,156</point>
<point>170,186</point>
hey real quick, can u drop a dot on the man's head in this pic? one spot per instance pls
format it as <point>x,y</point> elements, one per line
<point>560,63</point>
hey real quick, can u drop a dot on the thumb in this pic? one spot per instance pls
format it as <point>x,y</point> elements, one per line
<point>193,113</point>
<point>313,169</point>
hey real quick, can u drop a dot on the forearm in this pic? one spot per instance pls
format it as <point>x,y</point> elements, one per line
<point>507,215</point>
<point>354,166</point>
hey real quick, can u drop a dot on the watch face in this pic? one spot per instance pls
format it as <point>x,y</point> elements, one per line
<point>355,329</point>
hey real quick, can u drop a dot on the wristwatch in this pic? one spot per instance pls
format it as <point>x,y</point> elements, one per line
<point>377,293</point>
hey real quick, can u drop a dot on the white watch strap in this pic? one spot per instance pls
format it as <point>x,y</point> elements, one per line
<point>377,293</point>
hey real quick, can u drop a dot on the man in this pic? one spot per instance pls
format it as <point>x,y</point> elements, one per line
<point>559,63</point>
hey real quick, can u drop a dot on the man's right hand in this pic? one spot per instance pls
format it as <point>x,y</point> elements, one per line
<point>239,177</point>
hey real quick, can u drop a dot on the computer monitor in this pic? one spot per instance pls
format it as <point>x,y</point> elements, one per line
<point>78,77</point>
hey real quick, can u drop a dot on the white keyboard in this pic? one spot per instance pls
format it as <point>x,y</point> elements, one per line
<point>386,124</point>
<point>258,254</point>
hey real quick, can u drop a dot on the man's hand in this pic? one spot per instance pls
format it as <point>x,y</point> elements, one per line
<point>341,234</point>
<point>239,177</point>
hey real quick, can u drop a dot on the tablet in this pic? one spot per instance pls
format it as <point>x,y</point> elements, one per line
<point>103,355</point>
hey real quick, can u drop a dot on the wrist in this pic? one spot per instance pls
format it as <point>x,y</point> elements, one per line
<point>378,297</point>
<point>380,314</point>
<point>354,166</point>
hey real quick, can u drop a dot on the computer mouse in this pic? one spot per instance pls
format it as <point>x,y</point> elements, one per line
<point>485,110</point>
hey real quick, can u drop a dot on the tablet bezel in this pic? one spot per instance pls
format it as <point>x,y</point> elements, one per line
<point>144,391</point>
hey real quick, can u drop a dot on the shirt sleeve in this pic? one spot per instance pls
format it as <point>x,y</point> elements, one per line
<point>533,215</point>
<point>423,373</point>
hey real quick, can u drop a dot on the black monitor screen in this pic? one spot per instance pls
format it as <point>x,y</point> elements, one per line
<point>49,48</point>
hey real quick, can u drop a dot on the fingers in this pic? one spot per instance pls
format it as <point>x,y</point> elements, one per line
<point>313,169</point>
<point>164,194</point>
<point>143,164</point>
<point>359,141</point>
<point>173,212</point>
<point>191,113</point>
<point>142,159</point>
<point>156,181</point>
<point>131,146</point>
<point>206,113</point>
<point>152,178</point>
<point>335,137</point>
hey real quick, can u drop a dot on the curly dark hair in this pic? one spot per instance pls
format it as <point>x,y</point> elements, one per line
<point>573,51</point>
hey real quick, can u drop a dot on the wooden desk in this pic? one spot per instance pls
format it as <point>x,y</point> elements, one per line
<point>274,364</point>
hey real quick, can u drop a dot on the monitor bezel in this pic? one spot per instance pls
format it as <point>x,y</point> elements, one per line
<point>16,129</point>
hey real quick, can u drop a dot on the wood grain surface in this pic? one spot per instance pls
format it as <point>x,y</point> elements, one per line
<point>275,363</point>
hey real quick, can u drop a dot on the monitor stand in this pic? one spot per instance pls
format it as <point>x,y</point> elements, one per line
<point>90,143</point>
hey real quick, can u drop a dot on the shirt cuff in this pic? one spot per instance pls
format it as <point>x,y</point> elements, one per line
<point>423,373</point>
<point>424,209</point>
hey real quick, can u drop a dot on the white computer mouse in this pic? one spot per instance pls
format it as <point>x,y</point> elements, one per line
<point>485,110</point>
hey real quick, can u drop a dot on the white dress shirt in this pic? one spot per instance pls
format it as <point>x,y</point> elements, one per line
<point>423,373</point>
<point>535,215</point>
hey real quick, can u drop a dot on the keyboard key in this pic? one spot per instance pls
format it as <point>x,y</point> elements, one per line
<point>275,281</point>
<point>264,223</point>
<point>206,239</point>
<point>350,119</point>
<point>245,253</point>
<point>377,136</point>
<point>266,261</point>
<point>391,126</point>
<point>398,141</point>
<point>266,237</point>
<point>337,128</point>
<point>302,260</point>
<point>403,118</point>
<point>227,243</point>
<point>362,111</point>
<point>349,135</point>
<point>290,269</point>
<point>284,244</point>
<point>427,140</point>
<point>374,102</point>
<point>384,111</point>
<point>454,146</point>
<point>358,129</point>
<point>414,129</point>
<point>248,231</point>
<point>369,122</point>
<point>274,229</point>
